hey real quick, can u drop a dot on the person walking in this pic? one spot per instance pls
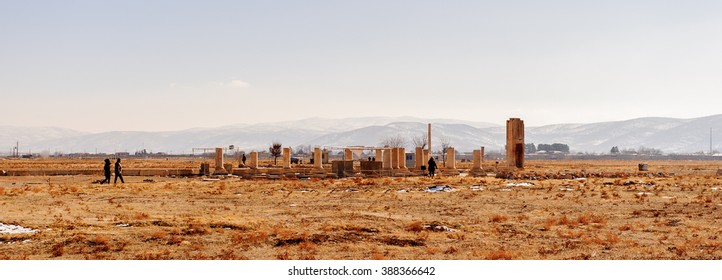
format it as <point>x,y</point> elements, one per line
<point>118,172</point>
<point>432,166</point>
<point>106,172</point>
<point>243,159</point>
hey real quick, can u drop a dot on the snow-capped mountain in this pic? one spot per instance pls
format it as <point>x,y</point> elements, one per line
<point>666,134</point>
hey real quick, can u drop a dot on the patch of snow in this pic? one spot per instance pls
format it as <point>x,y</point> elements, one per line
<point>715,189</point>
<point>13,229</point>
<point>401,191</point>
<point>522,184</point>
<point>440,228</point>
<point>349,190</point>
<point>643,193</point>
<point>477,188</point>
<point>122,225</point>
<point>440,188</point>
<point>669,197</point>
<point>566,189</point>
<point>292,205</point>
<point>581,179</point>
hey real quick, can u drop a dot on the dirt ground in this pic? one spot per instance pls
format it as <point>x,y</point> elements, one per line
<point>550,210</point>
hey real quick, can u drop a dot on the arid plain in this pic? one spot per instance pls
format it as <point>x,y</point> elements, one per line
<point>549,210</point>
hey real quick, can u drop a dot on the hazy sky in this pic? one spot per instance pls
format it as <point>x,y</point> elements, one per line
<point>167,65</point>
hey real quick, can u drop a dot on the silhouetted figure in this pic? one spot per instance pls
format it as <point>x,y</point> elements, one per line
<point>373,159</point>
<point>432,166</point>
<point>369,158</point>
<point>106,172</point>
<point>243,159</point>
<point>118,172</point>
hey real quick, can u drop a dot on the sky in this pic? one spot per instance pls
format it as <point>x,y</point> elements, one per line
<point>168,65</point>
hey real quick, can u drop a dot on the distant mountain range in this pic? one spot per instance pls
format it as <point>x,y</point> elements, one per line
<point>667,134</point>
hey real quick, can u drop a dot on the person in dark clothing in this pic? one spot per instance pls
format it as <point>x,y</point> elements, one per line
<point>243,159</point>
<point>432,166</point>
<point>106,172</point>
<point>118,172</point>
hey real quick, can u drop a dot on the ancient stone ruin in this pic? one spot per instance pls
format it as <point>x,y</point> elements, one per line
<point>515,143</point>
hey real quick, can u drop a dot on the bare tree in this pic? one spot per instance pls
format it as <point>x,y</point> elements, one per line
<point>420,140</point>
<point>394,141</point>
<point>275,150</point>
<point>445,145</point>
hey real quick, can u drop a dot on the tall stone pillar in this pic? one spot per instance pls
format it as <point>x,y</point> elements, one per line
<point>450,158</point>
<point>253,160</point>
<point>387,159</point>
<point>348,154</point>
<point>379,154</point>
<point>429,142</point>
<point>482,155</point>
<point>515,143</point>
<point>419,158</point>
<point>395,158</point>
<point>219,163</point>
<point>402,158</point>
<point>287,157</point>
<point>477,161</point>
<point>317,163</point>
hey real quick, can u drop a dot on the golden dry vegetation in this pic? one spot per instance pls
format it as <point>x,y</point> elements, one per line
<point>550,212</point>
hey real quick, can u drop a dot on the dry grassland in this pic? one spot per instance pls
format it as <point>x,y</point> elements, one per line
<point>671,212</point>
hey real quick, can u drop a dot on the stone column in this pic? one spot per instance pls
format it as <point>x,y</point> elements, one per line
<point>477,161</point>
<point>253,160</point>
<point>219,163</point>
<point>379,155</point>
<point>395,158</point>
<point>419,160</point>
<point>402,158</point>
<point>347,154</point>
<point>515,143</point>
<point>429,143</point>
<point>387,159</point>
<point>317,164</point>
<point>482,155</point>
<point>287,158</point>
<point>450,158</point>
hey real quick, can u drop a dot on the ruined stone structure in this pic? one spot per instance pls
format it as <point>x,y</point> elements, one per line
<point>515,143</point>
<point>253,160</point>
<point>395,158</point>
<point>287,158</point>
<point>379,155</point>
<point>348,154</point>
<point>402,158</point>
<point>219,170</point>
<point>387,159</point>
<point>371,168</point>
<point>341,167</point>
<point>317,164</point>
<point>419,158</point>
<point>450,158</point>
<point>477,160</point>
